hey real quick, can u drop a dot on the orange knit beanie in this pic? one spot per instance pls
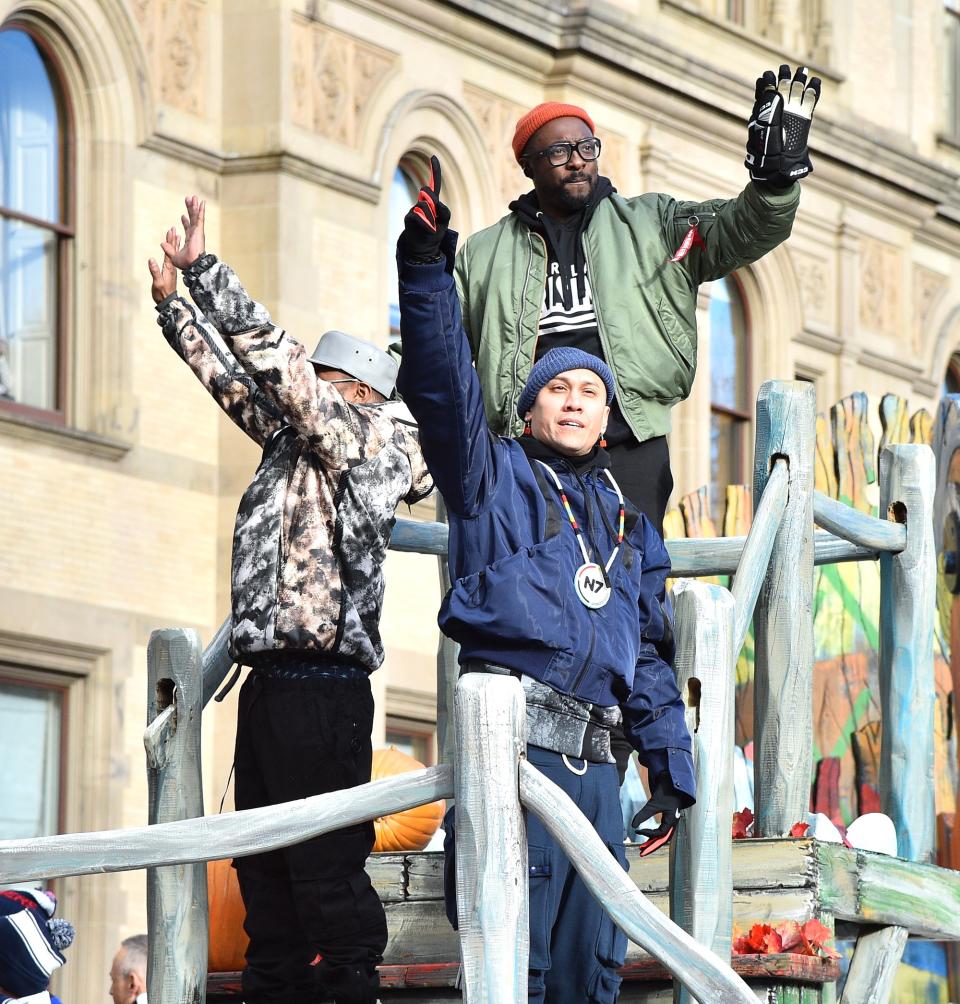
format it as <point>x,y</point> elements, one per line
<point>540,116</point>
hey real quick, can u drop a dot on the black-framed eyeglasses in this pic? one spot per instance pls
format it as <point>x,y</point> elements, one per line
<point>558,154</point>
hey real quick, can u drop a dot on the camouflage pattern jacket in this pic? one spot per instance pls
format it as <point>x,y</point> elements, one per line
<point>313,526</point>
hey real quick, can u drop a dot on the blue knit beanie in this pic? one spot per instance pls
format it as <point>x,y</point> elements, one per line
<point>31,940</point>
<point>559,361</point>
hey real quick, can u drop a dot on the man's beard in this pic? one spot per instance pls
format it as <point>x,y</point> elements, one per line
<point>576,199</point>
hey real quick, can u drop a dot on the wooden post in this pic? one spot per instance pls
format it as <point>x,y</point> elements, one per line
<point>701,855</point>
<point>177,919</point>
<point>492,881</point>
<point>448,659</point>
<point>908,583</point>
<point>783,620</point>
<point>873,967</point>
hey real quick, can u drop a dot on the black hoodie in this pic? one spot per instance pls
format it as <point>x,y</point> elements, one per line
<point>565,247</point>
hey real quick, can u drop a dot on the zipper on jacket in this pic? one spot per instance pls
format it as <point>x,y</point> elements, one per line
<point>523,299</point>
<point>586,665</point>
<point>603,341</point>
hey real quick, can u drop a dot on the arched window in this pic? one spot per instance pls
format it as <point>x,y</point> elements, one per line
<point>35,231</point>
<point>729,386</point>
<point>951,379</point>
<point>404,189</point>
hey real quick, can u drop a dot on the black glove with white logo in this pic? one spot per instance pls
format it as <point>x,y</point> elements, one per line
<point>668,803</point>
<point>779,126</point>
<point>425,226</point>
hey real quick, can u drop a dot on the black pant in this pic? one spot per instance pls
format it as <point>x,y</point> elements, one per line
<point>643,472</point>
<point>315,923</point>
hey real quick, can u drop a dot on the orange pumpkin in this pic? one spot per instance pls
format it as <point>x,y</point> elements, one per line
<point>412,829</point>
<point>228,940</point>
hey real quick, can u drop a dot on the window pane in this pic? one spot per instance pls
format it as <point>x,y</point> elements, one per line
<point>403,193</point>
<point>28,309</point>
<point>29,130</point>
<point>415,744</point>
<point>727,452</point>
<point>728,362</point>
<point>952,71</point>
<point>29,761</point>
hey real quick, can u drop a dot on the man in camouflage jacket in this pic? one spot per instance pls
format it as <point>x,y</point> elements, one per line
<point>307,590</point>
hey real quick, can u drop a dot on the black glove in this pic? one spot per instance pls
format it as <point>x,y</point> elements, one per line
<point>778,128</point>
<point>425,226</point>
<point>668,803</point>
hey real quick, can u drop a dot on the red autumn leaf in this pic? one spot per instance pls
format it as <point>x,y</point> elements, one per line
<point>742,822</point>
<point>790,935</point>
<point>799,829</point>
<point>815,936</point>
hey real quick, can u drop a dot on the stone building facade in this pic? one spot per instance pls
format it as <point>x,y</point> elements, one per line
<point>304,123</point>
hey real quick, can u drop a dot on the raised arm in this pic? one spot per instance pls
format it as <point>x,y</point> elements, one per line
<point>199,346</point>
<point>338,431</point>
<point>437,378</point>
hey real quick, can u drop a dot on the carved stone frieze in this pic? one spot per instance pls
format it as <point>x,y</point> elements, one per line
<point>176,35</point>
<point>816,291</point>
<point>928,289</point>
<point>880,287</point>
<point>334,77</point>
<point>496,119</point>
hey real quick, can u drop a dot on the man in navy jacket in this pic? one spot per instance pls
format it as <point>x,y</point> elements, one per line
<point>556,580</point>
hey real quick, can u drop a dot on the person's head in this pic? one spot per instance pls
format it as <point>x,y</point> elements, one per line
<point>362,373</point>
<point>555,145</point>
<point>566,401</point>
<point>128,974</point>
<point>31,941</point>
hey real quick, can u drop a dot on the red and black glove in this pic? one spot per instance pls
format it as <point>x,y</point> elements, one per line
<point>425,226</point>
<point>779,126</point>
<point>668,803</point>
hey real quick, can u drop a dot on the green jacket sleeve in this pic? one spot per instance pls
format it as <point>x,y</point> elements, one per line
<point>735,232</point>
<point>460,277</point>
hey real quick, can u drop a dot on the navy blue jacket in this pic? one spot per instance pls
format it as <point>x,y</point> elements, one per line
<point>513,554</point>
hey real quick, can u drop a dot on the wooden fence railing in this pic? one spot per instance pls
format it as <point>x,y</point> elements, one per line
<point>492,781</point>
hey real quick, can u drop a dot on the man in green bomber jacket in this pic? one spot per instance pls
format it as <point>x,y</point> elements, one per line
<point>576,264</point>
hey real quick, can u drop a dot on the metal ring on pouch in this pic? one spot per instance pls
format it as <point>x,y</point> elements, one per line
<point>572,769</point>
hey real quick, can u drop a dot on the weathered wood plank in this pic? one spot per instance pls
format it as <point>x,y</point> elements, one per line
<point>783,622</point>
<point>701,890</point>
<point>825,467</point>
<point>708,978</point>
<point>425,875</point>
<point>854,448</point>
<point>689,557</point>
<point>492,878</point>
<point>873,967</point>
<point>388,874</point>
<point>738,514</point>
<point>448,664</point>
<point>858,527</point>
<point>177,921</point>
<point>878,889</point>
<point>908,583</point>
<point>755,559</point>
<point>228,835</point>
<point>216,660</point>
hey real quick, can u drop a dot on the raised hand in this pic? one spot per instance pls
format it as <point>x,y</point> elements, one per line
<point>164,276</point>
<point>194,239</point>
<point>779,126</point>
<point>425,226</point>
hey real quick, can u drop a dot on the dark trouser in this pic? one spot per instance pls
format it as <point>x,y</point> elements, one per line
<point>643,472</point>
<point>315,923</point>
<point>575,948</point>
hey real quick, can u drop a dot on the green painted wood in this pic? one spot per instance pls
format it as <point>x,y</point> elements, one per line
<point>877,889</point>
<point>783,621</point>
<point>908,583</point>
